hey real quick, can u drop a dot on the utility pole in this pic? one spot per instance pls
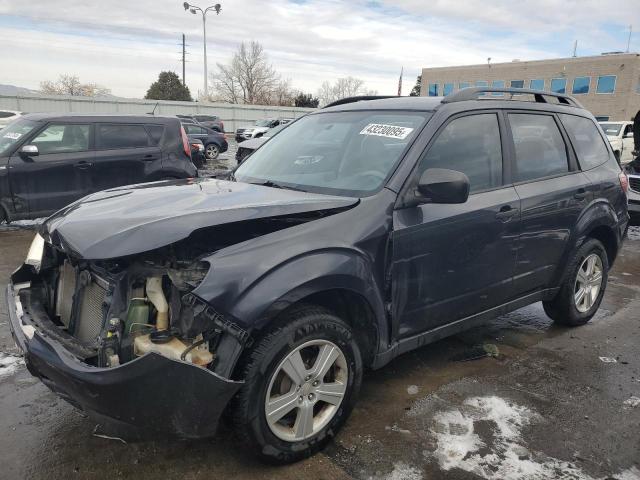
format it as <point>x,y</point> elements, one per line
<point>575,48</point>
<point>629,39</point>
<point>195,9</point>
<point>183,60</point>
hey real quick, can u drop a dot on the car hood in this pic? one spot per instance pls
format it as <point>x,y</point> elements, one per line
<point>134,219</point>
<point>253,143</point>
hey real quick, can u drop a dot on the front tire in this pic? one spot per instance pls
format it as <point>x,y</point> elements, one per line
<point>583,286</point>
<point>301,383</point>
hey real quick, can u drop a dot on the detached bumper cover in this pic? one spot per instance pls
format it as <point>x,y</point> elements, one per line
<point>152,393</point>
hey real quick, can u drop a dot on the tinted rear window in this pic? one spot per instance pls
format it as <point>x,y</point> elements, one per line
<point>4,114</point>
<point>540,149</point>
<point>155,133</point>
<point>587,141</point>
<point>122,136</point>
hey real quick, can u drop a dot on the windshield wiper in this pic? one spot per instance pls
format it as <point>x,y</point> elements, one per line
<point>272,184</point>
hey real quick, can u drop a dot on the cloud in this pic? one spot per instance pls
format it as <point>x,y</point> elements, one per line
<point>123,44</point>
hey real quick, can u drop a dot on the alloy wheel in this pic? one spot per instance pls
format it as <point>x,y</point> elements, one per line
<point>588,283</point>
<point>212,151</point>
<point>306,390</point>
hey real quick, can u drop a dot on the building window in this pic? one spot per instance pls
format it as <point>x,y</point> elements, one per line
<point>559,85</point>
<point>497,84</point>
<point>482,83</point>
<point>606,84</point>
<point>447,89</point>
<point>581,85</point>
<point>462,85</point>
<point>433,89</point>
<point>537,84</point>
<point>517,83</point>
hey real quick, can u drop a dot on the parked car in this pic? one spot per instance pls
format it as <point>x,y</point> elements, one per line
<point>209,121</point>
<point>259,128</point>
<point>48,161</point>
<point>363,231</point>
<point>620,135</point>
<point>249,146</point>
<point>197,153</point>
<point>8,116</point>
<point>214,143</point>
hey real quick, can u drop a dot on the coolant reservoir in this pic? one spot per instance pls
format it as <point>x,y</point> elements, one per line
<point>172,349</point>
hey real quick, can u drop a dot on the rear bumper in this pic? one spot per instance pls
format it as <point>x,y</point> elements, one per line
<point>151,393</point>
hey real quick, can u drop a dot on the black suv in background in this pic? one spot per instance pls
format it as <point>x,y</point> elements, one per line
<point>360,232</point>
<point>209,121</point>
<point>48,161</point>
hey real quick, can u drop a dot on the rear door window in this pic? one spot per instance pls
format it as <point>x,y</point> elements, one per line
<point>587,141</point>
<point>62,138</point>
<point>115,136</point>
<point>470,145</point>
<point>539,147</point>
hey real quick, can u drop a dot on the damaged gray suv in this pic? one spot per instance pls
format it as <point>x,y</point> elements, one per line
<point>362,231</point>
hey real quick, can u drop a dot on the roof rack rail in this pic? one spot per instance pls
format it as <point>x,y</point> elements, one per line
<point>359,98</point>
<point>472,93</point>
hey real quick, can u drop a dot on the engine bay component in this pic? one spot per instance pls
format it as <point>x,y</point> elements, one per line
<point>173,349</point>
<point>157,298</point>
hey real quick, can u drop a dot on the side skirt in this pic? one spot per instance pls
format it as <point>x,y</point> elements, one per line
<point>411,343</point>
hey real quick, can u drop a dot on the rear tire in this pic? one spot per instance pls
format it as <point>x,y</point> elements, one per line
<point>211,151</point>
<point>324,397</point>
<point>583,286</point>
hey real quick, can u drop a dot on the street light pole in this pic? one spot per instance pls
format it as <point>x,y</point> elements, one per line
<point>194,9</point>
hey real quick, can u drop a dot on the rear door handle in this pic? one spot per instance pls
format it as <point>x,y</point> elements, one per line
<point>83,165</point>
<point>506,213</point>
<point>581,194</point>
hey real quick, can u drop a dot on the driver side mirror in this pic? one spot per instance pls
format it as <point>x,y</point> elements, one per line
<point>441,185</point>
<point>28,151</point>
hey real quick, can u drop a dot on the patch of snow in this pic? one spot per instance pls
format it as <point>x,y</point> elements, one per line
<point>402,471</point>
<point>632,402</point>
<point>460,444</point>
<point>633,233</point>
<point>413,389</point>
<point>9,364</point>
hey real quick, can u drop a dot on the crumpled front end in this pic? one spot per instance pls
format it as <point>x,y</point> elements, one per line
<point>126,339</point>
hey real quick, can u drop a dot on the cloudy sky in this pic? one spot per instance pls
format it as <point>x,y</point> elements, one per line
<point>124,44</point>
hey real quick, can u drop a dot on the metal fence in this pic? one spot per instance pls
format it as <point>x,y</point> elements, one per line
<point>233,116</point>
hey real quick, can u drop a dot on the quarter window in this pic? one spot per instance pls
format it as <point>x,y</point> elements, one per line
<point>536,84</point>
<point>540,149</point>
<point>587,141</point>
<point>606,84</point>
<point>155,132</point>
<point>57,138</point>
<point>559,85</point>
<point>470,145</point>
<point>581,85</point>
<point>517,83</point>
<point>113,136</point>
<point>433,89</point>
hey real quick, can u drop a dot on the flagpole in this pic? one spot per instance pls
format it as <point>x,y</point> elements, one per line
<point>400,82</point>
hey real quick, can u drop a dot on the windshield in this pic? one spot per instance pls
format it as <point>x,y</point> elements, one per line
<point>611,129</point>
<point>14,133</point>
<point>339,153</point>
<point>275,130</point>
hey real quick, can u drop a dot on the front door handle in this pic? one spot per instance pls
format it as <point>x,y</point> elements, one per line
<point>506,213</point>
<point>83,165</point>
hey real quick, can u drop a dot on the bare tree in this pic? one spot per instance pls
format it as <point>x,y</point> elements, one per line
<point>249,78</point>
<point>343,87</point>
<point>71,85</point>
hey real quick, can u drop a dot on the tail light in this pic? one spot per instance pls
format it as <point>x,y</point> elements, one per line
<point>185,142</point>
<point>624,182</point>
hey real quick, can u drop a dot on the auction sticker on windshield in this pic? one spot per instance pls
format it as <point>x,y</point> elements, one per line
<point>389,131</point>
<point>13,135</point>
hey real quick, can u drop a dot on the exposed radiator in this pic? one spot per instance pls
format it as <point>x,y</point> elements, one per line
<point>90,315</point>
